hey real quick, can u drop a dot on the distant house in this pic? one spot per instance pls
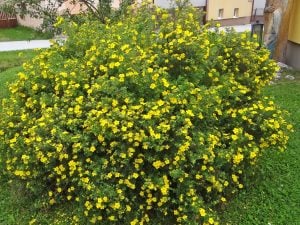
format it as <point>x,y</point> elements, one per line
<point>226,12</point>
<point>66,6</point>
<point>230,12</point>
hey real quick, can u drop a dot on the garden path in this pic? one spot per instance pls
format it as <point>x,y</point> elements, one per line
<point>22,45</point>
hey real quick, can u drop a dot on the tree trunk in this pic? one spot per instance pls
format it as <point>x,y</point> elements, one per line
<point>277,20</point>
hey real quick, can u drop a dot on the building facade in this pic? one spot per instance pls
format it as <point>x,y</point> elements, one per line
<point>169,4</point>
<point>293,45</point>
<point>230,12</point>
<point>226,12</point>
<point>67,5</point>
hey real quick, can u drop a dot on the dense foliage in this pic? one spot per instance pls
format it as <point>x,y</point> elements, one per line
<point>154,119</point>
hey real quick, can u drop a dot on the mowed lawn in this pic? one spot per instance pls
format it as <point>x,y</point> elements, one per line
<point>271,198</point>
<point>10,65</point>
<point>20,33</point>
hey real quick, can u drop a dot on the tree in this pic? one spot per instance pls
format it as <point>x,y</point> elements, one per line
<point>277,19</point>
<point>48,9</point>
<point>45,9</point>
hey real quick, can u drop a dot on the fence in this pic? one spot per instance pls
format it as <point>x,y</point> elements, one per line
<point>7,20</point>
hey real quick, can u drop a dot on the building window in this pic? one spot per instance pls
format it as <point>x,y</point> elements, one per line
<point>236,12</point>
<point>221,13</point>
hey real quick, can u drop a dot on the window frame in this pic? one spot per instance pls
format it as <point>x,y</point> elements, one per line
<point>236,12</point>
<point>221,13</point>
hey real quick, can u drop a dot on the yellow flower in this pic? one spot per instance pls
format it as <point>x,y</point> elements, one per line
<point>238,158</point>
<point>134,222</point>
<point>211,220</point>
<point>234,178</point>
<point>112,218</point>
<point>116,205</point>
<point>234,137</point>
<point>202,212</point>
<point>253,154</point>
<point>157,164</point>
<point>128,208</point>
<point>32,221</point>
<point>92,149</point>
<point>152,86</point>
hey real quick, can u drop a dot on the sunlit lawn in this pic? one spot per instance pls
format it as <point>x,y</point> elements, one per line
<point>21,33</point>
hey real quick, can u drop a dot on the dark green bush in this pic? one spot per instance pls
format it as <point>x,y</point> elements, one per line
<point>154,119</point>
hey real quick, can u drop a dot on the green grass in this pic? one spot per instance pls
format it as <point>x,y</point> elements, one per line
<point>21,33</point>
<point>17,207</point>
<point>7,77</point>
<point>14,58</point>
<point>10,65</point>
<point>272,198</point>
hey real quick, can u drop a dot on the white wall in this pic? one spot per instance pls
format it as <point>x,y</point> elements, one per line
<point>169,3</point>
<point>164,3</point>
<point>198,2</point>
<point>28,21</point>
<point>259,4</point>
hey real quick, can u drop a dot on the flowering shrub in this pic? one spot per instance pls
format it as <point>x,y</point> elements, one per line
<point>154,119</point>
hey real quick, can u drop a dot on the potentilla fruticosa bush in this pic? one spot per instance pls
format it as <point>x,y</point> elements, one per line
<point>150,120</point>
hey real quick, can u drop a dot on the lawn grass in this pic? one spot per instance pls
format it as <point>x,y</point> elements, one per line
<point>18,207</point>
<point>12,59</point>
<point>7,77</point>
<point>272,198</point>
<point>10,65</point>
<point>21,33</point>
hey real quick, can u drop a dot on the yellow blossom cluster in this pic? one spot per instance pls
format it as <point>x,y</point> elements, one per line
<point>150,120</point>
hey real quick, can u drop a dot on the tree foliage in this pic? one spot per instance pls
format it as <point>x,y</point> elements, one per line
<point>48,10</point>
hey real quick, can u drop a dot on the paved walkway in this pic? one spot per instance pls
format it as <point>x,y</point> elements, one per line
<point>239,28</point>
<point>21,45</point>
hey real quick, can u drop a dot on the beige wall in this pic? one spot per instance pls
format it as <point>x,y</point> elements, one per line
<point>36,23</point>
<point>28,21</point>
<point>115,4</point>
<point>73,8</point>
<point>294,30</point>
<point>245,7</point>
<point>293,55</point>
<point>293,46</point>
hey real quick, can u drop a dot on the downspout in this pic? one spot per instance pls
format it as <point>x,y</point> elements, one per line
<point>251,18</point>
<point>206,9</point>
